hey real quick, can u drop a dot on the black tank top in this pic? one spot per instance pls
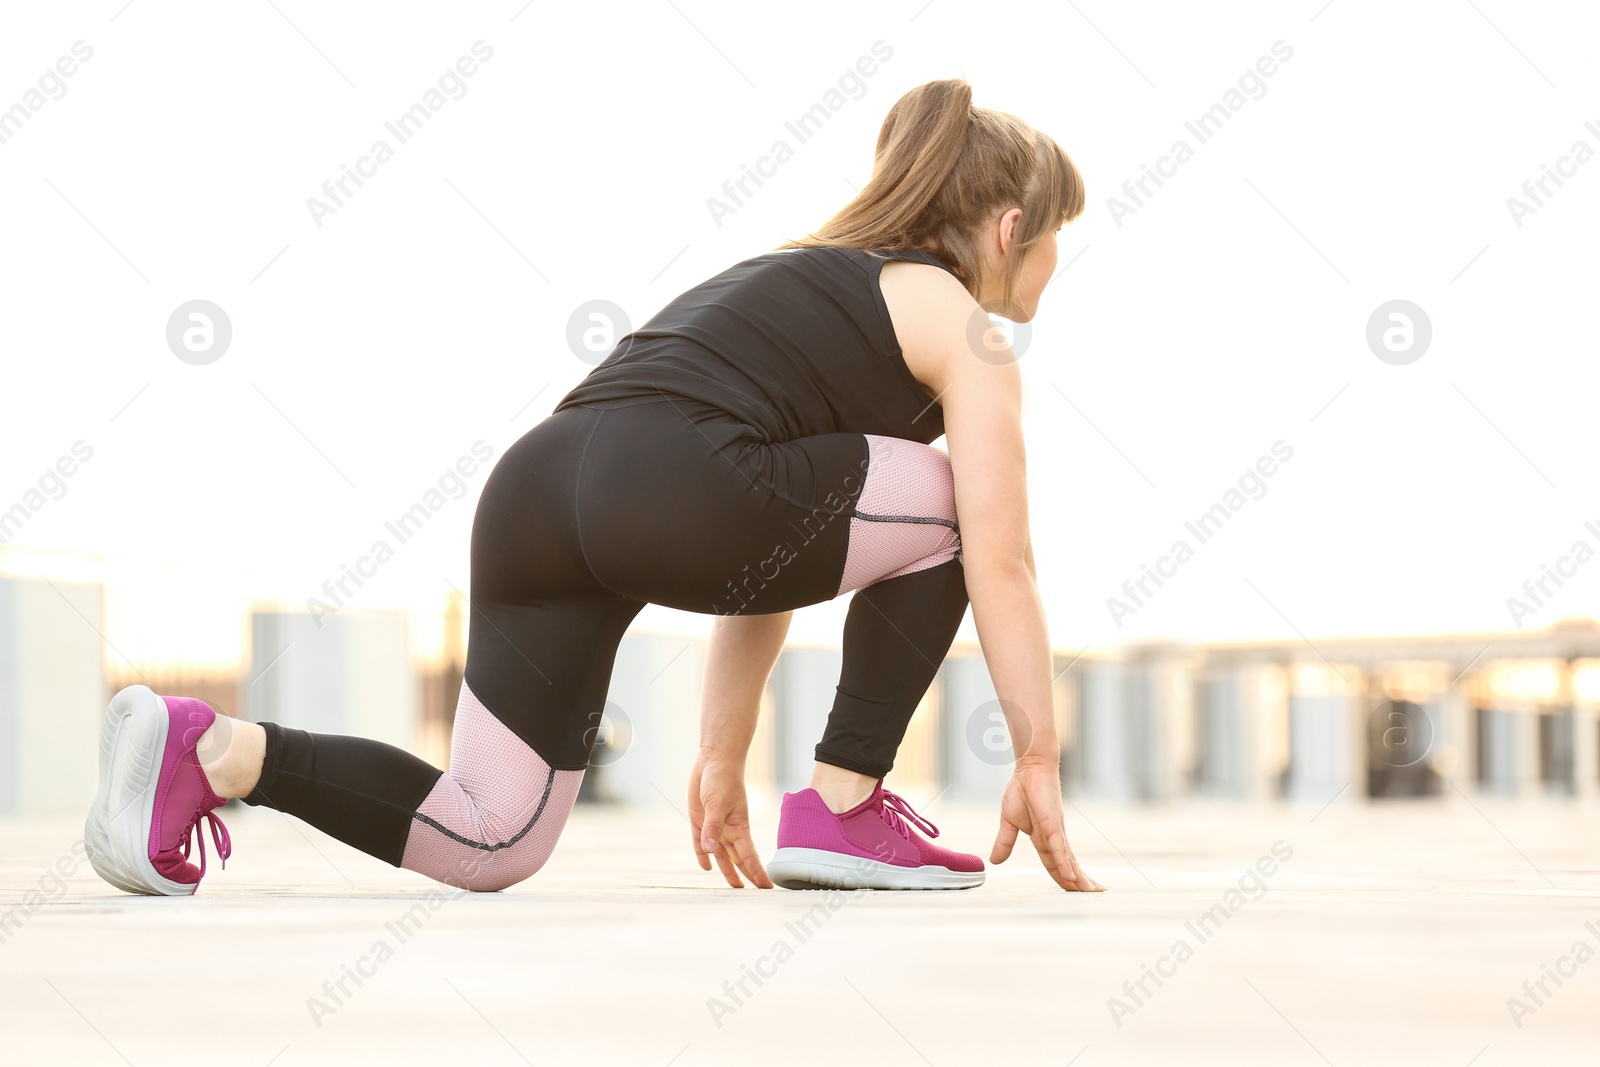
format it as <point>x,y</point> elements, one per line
<point>795,343</point>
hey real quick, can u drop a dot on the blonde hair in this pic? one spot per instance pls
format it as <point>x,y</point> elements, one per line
<point>943,169</point>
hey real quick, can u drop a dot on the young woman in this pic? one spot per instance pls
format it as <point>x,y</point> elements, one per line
<point>761,444</point>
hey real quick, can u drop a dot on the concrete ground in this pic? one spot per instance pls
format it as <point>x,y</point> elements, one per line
<point>1392,934</point>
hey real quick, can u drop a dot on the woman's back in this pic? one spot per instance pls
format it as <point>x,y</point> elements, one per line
<point>796,342</point>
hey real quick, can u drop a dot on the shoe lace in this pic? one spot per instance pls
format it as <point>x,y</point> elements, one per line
<point>219,837</point>
<point>897,812</point>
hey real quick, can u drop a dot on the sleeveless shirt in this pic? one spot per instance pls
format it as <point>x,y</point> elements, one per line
<point>794,343</point>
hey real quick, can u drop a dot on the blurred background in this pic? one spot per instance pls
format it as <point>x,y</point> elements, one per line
<point>1509,715</point>
<point>280,285</point>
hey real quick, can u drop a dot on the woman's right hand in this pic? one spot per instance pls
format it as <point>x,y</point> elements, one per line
<point>719,821</point>
<point>1031,804</point>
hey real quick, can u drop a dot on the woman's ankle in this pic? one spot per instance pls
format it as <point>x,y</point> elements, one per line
<point>231,753</point>
<point>841,789</point>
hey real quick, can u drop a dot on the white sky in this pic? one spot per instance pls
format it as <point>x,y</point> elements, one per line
<point>1222,317</point>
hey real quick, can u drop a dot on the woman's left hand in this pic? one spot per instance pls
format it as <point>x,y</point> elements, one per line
<point>1031,804</point>
<point>720,821</point>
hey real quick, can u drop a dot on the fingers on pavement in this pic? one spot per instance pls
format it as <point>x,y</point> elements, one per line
<point>1003,842</point>
<point>729,870</point>
<point>749,861</point>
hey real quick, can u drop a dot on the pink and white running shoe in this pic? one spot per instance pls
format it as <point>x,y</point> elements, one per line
<point>871,846</point>
<point>152,795</point>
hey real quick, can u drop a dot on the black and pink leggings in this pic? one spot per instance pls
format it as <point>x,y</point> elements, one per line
<point>591,515</point>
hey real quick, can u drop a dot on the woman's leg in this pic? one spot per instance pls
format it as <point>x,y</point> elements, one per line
<point>896,635</point>
<point>847,830</point>
<point>494,819</point>
<point>904,558</point>
<point>542,640</point>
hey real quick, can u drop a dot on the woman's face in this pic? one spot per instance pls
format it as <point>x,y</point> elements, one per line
<point>1039,265</point>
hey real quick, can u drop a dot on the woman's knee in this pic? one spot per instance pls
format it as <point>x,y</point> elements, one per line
<point>499,834</point>
<point>908,477</point>
<point>905,516</point>
<point>499,870</point>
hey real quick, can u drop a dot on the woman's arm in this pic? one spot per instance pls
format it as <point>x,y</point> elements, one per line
<point>743,650</point>
<point>983,422</point>
<point>738,663</point>
<point>982,403</point>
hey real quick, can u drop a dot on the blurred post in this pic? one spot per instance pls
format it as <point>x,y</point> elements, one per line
<point>351,674</point>
<point>975,746</point>
<point>647,736</point>
<point>52,694</point>
<point>1327,740</point>
<point>803,683</point>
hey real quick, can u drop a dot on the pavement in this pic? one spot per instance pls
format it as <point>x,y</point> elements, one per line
<point>1450,932</point>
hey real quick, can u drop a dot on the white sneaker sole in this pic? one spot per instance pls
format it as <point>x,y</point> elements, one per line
<point>133,740</point>
<point>815,868</point>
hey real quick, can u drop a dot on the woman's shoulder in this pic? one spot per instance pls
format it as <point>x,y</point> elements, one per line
<point>931,314</point>
<point>868,259</point>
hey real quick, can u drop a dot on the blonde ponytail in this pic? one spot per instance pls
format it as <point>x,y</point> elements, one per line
<point>942,170</point>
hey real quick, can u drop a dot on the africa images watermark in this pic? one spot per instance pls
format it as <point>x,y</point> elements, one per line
<point>735,191</point>
<point>1536,992</point>
<point>1202,528</point>
<point>741,595</point>
<point>1203,128</point>
<point>402,128</point>
<point>401,528</point>
<point>50,887</point>
<point>1537,591</point>
<point>51,485</point>
<point>52,86</point>
<point>1566,166</point>
<point>736,992</point>
<point>1210,922</point>
<point>336,992</point>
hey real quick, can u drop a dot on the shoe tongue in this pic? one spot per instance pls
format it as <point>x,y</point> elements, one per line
<point>209,801</point>
<point>872,803</point>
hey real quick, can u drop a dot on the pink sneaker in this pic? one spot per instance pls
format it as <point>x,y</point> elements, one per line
<point>871,846</point>
<point>152,795</point>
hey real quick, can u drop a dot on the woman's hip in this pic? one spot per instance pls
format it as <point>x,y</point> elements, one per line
<point>681,504</point>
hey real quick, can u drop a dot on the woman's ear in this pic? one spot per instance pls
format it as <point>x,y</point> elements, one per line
<point>1008,227</point>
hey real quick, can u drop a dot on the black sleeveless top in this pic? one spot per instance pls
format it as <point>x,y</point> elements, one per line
<point>795,343</point>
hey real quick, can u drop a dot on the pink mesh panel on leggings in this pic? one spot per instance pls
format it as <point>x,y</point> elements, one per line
<point>494,819</point>
<point>906,515</point>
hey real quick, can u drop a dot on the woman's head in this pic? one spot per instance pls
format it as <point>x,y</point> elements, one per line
<point>981,189</point>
